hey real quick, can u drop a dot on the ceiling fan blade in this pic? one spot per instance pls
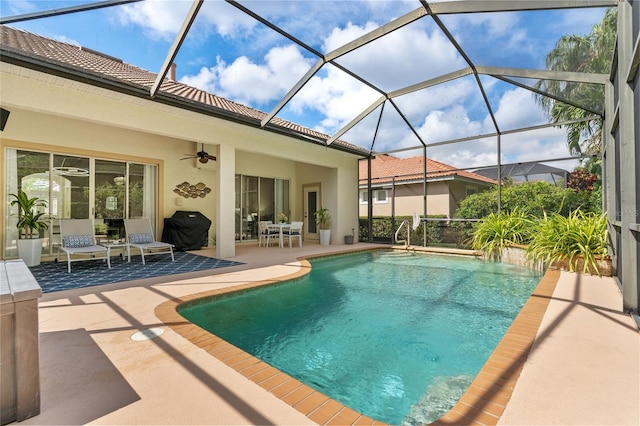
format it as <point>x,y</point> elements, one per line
<point>201,155</point>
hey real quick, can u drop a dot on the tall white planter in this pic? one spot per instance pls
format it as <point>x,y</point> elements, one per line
<point>325,237</point>
<point>30,251</point>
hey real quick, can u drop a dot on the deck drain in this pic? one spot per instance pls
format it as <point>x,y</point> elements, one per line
<point>149,333</point>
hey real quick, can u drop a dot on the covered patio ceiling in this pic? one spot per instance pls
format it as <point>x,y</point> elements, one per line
<point>454,78</point>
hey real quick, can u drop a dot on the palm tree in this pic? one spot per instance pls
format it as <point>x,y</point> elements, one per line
<point>591,54</point>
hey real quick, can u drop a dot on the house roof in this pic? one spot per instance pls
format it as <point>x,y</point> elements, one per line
<point>387,168</point>
<point>87,65</point>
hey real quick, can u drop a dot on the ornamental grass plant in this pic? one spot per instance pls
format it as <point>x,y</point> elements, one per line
<point>577,237</point>
<point>497,231</point>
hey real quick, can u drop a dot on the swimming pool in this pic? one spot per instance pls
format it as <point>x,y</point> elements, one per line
<point>395,337</point>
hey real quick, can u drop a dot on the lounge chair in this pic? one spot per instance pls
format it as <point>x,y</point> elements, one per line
<point>140,236</point>
<point>78,239</point>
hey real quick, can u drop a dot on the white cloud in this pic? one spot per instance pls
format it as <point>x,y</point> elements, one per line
<point>161,19</point>
<point>494,24</point>
<point>453,123</point>
<point>466,158</point>
<point>403,57</point>
<point>341,36</point>
<point>228,21</point>
<point>205,80</point>
<point>250,83</point>
<point>440,97</point>
<point>517,108</point>
<point>547,143</point>
<point>391,61</point>
<point>337,96</point>
<point>68,40</point>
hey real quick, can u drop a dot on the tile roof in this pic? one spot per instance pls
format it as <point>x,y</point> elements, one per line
<point>108,68</point>
<point>408,170</point>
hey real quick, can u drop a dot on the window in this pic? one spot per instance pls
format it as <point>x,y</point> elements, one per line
<point>471,190</point>
<point>379,196</point>
<point>364,197</point>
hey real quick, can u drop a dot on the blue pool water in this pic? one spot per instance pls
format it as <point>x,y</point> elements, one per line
<point>397,337</point>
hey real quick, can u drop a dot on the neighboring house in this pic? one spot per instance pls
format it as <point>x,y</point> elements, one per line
<point>397,185</point>
<point>81,130</point>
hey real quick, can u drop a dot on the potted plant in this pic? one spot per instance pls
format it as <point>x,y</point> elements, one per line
<point>323,220</point>
<point>30,223</point>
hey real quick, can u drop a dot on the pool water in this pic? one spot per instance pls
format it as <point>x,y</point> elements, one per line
<point>395,336</point>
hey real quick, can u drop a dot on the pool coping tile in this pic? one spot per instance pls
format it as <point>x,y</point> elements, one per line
<point>483,403</point>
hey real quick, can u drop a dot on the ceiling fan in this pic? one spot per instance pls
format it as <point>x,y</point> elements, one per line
<point>201,155</point>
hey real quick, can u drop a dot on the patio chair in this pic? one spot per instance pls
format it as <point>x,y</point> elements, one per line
<point>140,236</point>
<point>78,239</point>
<point>295,231</point>
<point>265,234</point>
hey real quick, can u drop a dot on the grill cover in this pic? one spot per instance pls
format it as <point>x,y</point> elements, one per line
<point>187,230</point>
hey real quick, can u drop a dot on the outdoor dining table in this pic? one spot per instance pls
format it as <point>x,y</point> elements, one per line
<point>280,227</point>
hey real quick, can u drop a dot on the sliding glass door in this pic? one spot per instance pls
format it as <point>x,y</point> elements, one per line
<point>249,208</point>
<point>77,187</point>
<point>70,188</point>
<point>110,198</point>
<point>259,198</point>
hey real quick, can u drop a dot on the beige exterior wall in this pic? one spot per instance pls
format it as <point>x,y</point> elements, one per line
<point>49,113</point>
<point>409,200</point>
<point>443,198</point>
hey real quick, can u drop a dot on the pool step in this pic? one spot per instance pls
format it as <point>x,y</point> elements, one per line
<point>395,254</point>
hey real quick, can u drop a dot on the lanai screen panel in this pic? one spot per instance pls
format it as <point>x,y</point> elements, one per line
<point>321,64</point>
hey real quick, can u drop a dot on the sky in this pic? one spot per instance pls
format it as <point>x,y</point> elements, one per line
<point>232,55</point>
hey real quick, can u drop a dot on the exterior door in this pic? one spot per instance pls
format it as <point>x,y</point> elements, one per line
<point>312,202</point>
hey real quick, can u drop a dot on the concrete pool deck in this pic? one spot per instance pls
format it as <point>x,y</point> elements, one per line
<point>582,368</point>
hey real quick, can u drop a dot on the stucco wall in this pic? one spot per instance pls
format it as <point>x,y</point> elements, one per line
<point>42,132</point>
<point>409,200</point>
<point>52,114</point>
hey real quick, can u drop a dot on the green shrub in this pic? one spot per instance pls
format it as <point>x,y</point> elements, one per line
<point>579,235</point>
<point>498,231</point>
<point>535,198</point>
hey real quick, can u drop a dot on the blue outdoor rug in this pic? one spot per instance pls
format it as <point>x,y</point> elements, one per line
<point>53,276</point>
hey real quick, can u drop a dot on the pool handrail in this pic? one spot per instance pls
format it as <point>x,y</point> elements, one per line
<point>395,238</point>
